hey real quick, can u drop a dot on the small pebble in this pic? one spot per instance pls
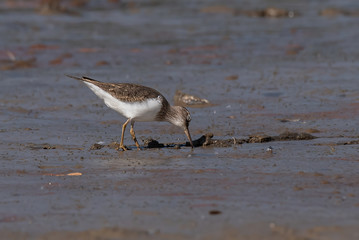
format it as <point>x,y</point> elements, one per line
<point>269,149</point>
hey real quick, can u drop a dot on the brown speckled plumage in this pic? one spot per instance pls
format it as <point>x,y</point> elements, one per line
<point>126,92</point>
<point>130,92</point>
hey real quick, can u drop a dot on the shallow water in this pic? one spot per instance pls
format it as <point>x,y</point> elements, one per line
<point>297,74</point>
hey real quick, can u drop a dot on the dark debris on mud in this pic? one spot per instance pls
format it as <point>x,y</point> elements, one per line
<point>207,140</point>
<point>286,136</point>
<point>353,142</point>
<point>34,146</point>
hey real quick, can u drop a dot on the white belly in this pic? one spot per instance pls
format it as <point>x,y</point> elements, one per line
<point>139,111</point>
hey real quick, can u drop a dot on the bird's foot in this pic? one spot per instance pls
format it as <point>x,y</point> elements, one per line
<point>123,147</point>
<point>138,146</point>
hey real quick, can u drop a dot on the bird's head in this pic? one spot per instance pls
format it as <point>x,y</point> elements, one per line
<point>181,117</point>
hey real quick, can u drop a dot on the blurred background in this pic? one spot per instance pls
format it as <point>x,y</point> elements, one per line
<point>264,67</point>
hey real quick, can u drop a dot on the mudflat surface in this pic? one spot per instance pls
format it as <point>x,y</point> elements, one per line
<point>280,78</point>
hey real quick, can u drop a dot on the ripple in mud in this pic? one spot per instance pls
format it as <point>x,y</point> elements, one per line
<point>334,12</point>
<point>286,136</point>
<point>47,146</point>
<point>51,7</point>
<point>270,12</point>
<point>17,64</point>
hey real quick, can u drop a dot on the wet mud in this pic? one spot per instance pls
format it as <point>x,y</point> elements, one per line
<point>272,88</point>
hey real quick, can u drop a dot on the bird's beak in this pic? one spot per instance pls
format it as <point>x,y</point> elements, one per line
<point>186,131</point>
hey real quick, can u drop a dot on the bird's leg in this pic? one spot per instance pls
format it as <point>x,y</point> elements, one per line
<point>134,136</point>
<point>122,135</point>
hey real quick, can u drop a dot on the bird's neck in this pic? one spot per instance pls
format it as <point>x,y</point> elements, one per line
<point>166,112</point>
<point>172,115</point>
